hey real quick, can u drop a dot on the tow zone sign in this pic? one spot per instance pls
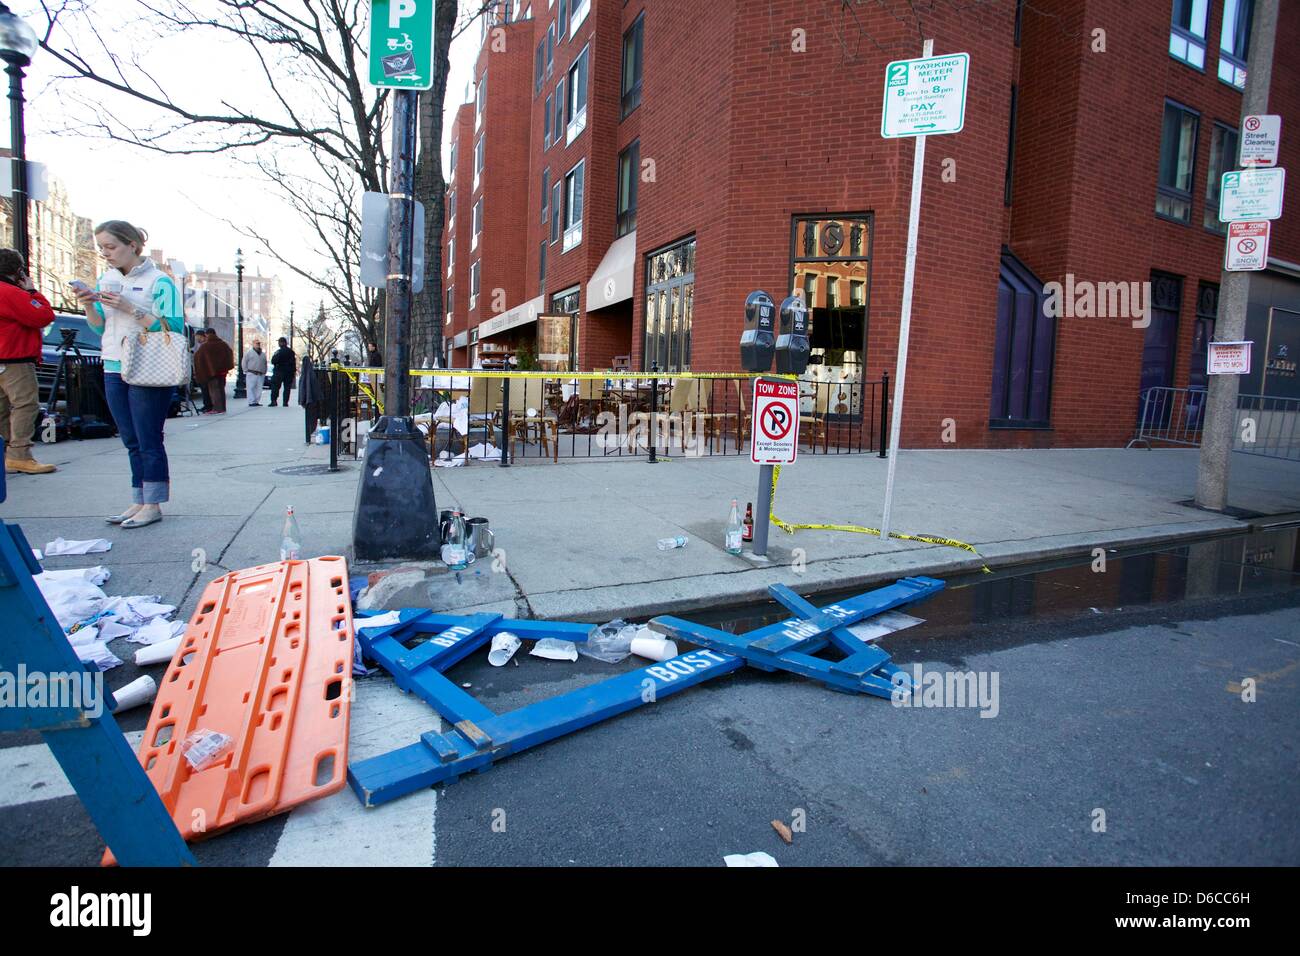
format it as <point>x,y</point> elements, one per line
<point>774,435</point>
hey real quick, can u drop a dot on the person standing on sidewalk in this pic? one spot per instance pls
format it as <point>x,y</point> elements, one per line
<point>212,363</point>
<point>254,366</point>
<point>285,365</point>
<point>23,313</point>
<point>134,295</point>
<point>200,336</point>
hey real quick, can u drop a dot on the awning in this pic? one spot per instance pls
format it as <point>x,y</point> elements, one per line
<point>612,280</point>
<point>519,315</point>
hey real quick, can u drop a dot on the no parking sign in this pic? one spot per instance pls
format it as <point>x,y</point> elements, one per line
<point>774,436</point>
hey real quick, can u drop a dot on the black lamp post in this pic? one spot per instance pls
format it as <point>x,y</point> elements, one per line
<point>241,385</point>
<point>17,44</point>
<point>290,326</point>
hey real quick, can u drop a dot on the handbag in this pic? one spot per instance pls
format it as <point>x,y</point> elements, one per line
<point>155,359</point>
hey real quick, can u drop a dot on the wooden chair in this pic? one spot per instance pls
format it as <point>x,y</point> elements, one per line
<point>539,427</point>
<point>701,406</point>
<point>812,427</point>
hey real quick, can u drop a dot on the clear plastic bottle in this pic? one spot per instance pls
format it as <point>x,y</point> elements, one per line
<point>290,538</point>
<point>455,553</point>
<point>735,531</point>
<point>668,544</point>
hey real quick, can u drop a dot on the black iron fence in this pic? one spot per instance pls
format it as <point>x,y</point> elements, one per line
<point>517,417</point>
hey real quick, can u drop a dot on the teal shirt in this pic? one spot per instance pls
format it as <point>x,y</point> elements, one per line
<point>166,307</point>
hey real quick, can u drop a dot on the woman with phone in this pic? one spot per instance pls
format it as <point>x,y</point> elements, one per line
<point>134,295</point>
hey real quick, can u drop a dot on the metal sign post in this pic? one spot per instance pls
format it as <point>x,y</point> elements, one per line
<point>923,97</point>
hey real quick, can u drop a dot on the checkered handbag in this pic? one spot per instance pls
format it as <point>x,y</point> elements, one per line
<point>155,359</point>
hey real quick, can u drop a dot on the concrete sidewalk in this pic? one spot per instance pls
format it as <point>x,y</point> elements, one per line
<point>577,539</point>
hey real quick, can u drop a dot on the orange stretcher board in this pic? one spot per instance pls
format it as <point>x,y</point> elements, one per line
<point>267,661</point>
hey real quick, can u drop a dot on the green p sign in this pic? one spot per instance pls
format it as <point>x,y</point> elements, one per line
<point>401,44</point>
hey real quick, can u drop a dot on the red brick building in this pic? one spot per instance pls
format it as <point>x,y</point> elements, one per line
<point>645,164</point>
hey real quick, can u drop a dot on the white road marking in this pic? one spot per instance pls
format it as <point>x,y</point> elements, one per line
<point>30,773</point>
<point>338,831</point>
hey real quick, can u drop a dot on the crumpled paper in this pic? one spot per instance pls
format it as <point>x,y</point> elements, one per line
<point>89,546</point>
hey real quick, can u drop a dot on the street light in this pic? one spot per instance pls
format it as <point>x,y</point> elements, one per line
<point>18,42</point>
<point>241,387</point>
<point>290,326</point>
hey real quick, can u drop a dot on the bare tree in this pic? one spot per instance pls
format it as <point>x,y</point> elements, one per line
<point>319,336</point>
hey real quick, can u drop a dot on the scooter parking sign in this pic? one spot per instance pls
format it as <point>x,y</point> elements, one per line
<point>774,436</point>
<point>401,44</point>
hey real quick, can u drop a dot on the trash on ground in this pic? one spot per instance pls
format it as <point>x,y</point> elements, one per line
<point>654,647</point>
<point>668,544</point>
<point>139,691</point>
<point>156,631</point>
<point>97,655</point>
<point>89,546</point>
<point>488,452</point>
<point>503,648</point>
<point>446,461</point>
<point>874,628</point>
<point>610,642</point>
<point>72,601</point>
<point>379,620</point>
<point>553,650</point>
<point>157,653</point>
<point>750,859</point>
<point>203,747</point>
<point>783,831</point>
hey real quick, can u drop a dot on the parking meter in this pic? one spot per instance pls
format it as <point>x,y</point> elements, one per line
<point>792,344</point>
<point>758,341</point>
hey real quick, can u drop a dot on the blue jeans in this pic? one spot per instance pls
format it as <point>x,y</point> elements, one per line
<point>140,412</point>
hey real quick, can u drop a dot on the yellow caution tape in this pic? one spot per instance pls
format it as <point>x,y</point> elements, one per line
<point>789,528</point>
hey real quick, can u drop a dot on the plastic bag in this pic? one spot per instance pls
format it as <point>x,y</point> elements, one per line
<point>203,747</point>
<point>610,642</point>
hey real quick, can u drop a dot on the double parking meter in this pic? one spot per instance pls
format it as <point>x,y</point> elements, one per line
<point>758,341</point>
<point>792,344</point>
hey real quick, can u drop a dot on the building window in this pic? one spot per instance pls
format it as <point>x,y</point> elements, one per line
<point>557,121</point>
<point>450,299</point>
<point>573,183</point>
<point>557,199</point>
<point>629,168</point>
<point>633,43</point>
<point>478,160</point>
<point>669,308</point>
<point>1223,157</point>
<point>451,256</point>
<point>562,21</point>
<point>1024,350</point>
<point>1011,146</point>
<point>454,150</point>
<point>576,110</point>
<point>1187,32</point>
<point>832,284</point>
<point>857,292</point>
<point>580,10</point>
<point>1234,41</point>
<point>480,101</point>
<point>1207,312</point>
<point>546,125</point>
<point>451,210</point>
<point>550,50</point>
<point>1160,346</point>
<point>541,270</point>
<point>563,303</point>
<point>546,193</point>
<point>473,285</point>
<point>1177,163</point>
<point>478,224</point>
<point>539,67</point>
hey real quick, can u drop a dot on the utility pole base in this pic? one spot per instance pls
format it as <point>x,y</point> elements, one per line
<point>395,515</point>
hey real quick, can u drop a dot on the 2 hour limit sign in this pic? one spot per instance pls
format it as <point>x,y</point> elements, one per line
<point>774,437</point>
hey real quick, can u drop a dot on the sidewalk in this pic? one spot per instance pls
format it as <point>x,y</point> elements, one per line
<point>577,540</point>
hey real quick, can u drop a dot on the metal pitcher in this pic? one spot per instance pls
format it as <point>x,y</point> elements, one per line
<point>481,538</point>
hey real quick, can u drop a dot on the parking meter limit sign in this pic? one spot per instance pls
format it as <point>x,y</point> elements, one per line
<point>774,437</point>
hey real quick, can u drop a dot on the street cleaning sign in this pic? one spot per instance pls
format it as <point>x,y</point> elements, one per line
<point>1228,358</point>
<point>774,437</point>
<point>1251,194</point>
<point>1260,138</point>
<point>926,96</point>
<point>1247,249</point>
<point>401,44</point>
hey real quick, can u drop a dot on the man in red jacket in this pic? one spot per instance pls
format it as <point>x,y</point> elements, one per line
<point>23,313</point>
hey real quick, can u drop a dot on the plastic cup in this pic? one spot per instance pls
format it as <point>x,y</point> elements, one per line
<point>139,691</point>
<point>655,648</point>
<point>504,646</point>
<point>111,285</point>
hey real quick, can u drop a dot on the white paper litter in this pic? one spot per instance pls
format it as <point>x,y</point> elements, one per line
<point>111,630</point>
<point>488,452</point>
<point>553,650</point>
<point>98,655</point>
<point>156,631</point>
<point>157,653</point>
<point>36,553</point>
<point>449,462</point>
<point>85,635</point>
<point>149,609</point>
<point>877,626</point>
<point>379,620</point>
<point>96,575</point>
<point>89,546</point>
<point>750,859</point>
<point>70,600</point>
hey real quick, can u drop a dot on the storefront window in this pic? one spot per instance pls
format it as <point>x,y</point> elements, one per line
<point>670,296</point>
<point>832,255</point>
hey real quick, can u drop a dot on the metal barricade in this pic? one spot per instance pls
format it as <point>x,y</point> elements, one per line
<point>1170,416</point>
<point>1267,426</point>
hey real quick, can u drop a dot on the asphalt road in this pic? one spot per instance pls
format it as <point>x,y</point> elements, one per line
<point>1136,713</point>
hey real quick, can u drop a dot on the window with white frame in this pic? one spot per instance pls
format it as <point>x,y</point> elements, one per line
<point>451,210</point>
<point>473,285</point>
<point>557,122</point>
<point>573,187</point>
<point>478,159</point>
<point>478,224</point>
<point>480,101</point>
<point>450,300</point>
<point>451,255</point>
<point>576,108</point>
<point>451,166</point>
<point>561,21</point>
<point>550,50</point>
<point>546,124</point>
<point>557,209</point>
<point>1187,32</point>
<point>1234,41</point>
<point>579,13</point>
<point>546,193</point>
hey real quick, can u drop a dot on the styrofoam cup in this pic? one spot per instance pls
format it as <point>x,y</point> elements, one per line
<point>655,648</point>
<point>139,691</point>
<point>504,646</point>
<point>159,653</point>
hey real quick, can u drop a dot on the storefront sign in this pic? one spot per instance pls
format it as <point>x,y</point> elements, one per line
<point>1229,358</point>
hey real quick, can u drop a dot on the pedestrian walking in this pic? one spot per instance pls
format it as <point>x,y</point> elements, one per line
<point>23,313</point>
<point>284,365</point>
<point>253,365</point>
<point>200,336</point>
<point>132,296</point>
<point>212,363</point>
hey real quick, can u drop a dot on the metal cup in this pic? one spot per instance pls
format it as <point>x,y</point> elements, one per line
<point>481,538</point>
